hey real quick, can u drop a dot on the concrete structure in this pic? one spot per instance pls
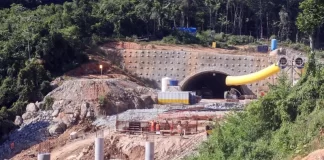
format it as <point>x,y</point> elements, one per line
<point>99,149</point>
<point>149,151</point>
<point>44,156</point>
<point>188,67</point>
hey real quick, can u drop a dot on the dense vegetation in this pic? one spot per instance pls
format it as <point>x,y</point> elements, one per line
<point>287,122</point>
<point>40,39</point>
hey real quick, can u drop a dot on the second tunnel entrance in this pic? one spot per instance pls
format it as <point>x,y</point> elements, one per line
<point>209,85</point>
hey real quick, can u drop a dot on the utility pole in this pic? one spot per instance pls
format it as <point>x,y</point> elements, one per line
<point>292,70</point>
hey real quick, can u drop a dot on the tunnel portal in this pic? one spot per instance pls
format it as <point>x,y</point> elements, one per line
<point>209,85</point>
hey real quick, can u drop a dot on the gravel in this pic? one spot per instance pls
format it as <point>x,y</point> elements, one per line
<point>31,132</point>
<point>223,106</point>
<point>129,115</point>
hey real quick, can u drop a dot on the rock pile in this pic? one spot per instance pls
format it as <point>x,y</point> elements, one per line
<point>75,101</point>
<point>32,130</point>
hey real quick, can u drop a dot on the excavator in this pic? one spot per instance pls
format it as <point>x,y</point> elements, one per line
<point>232,94</point>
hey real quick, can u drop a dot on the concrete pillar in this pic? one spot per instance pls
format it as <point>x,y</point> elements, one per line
<point>44,156</point>
<point>99,149</point>
<point>149,151</point>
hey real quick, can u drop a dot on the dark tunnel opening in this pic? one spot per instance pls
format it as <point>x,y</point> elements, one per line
<point>209,85</point>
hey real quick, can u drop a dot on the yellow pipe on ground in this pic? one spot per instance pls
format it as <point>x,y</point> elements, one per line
<point>253,77</point>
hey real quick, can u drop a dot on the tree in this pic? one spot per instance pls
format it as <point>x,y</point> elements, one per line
<point>311,17</point>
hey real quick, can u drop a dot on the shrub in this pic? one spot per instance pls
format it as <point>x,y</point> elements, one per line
<point>299,47</point>
<point>320,54</point>
<point>273,37</point>
<point>220,37</point>
<point>239,40</point>
<point>206,37</point>
<point>18,108</point>
<point>102,100</point>
<point>49,101</point>
<point>178,37</point>
<point>45,88</point>
<point>186,38</point>
<point>170,40</point>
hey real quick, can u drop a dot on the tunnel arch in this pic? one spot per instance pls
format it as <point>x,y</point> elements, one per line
<point>210,84</point>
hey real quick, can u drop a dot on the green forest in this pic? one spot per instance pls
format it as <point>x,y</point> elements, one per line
<point>42,39</point>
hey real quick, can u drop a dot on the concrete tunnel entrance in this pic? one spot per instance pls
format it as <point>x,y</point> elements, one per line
<point>209,85</point>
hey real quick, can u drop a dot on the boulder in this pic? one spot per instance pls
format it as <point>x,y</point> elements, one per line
<point>90,114</point>
<point>138,103</point>
<point>73,135</point>
<point>55,112</point>
<point>28,115</point>
<point>66,121</point>
<point>84,110</point>
<point>18,121</point>
<point>31,107</point>
<point>57,128</point>
<point>148,101</point>
<point>39,105</point>
<point>155,98</point>
<point>76,113</point>
<point>57,105</point>
<point>54,84</point>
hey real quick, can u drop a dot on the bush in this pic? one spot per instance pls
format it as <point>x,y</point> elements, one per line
<point>49,101</point>
<point>45,88</point>
<point>18,108</point>
<point>178,37</point>
<point>6,125</point>
<point>206,37</point>
<point>299,47</point>
<point>220,37</point>
<point>170,40</point>
<point>320,54</point>
<point>273,37</point>
<point>102,100</point>
<point>240,40</point>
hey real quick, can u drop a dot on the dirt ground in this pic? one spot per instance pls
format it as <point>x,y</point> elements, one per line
<point>53,142</point>
<point>117,145</point>
<point>241,50</point>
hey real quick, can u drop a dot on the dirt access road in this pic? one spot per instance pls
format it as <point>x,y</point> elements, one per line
<point>75,146</point>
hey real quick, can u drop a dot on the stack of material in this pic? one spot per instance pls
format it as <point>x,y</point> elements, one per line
<point>73,135</point>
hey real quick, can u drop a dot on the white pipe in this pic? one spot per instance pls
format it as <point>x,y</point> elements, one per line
<point>44,156</point>
<point>149,151</point>
<point>99,149</point>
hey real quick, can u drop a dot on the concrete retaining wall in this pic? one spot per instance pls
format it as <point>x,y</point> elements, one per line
<point>184,65</point>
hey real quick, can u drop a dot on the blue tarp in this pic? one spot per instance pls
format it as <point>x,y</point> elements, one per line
<point>190,30</point>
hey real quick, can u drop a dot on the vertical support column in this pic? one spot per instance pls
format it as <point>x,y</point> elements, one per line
<point>149,151</point>
<point>44,156</point>
<point>99,149</point>
<point>44,151</point>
